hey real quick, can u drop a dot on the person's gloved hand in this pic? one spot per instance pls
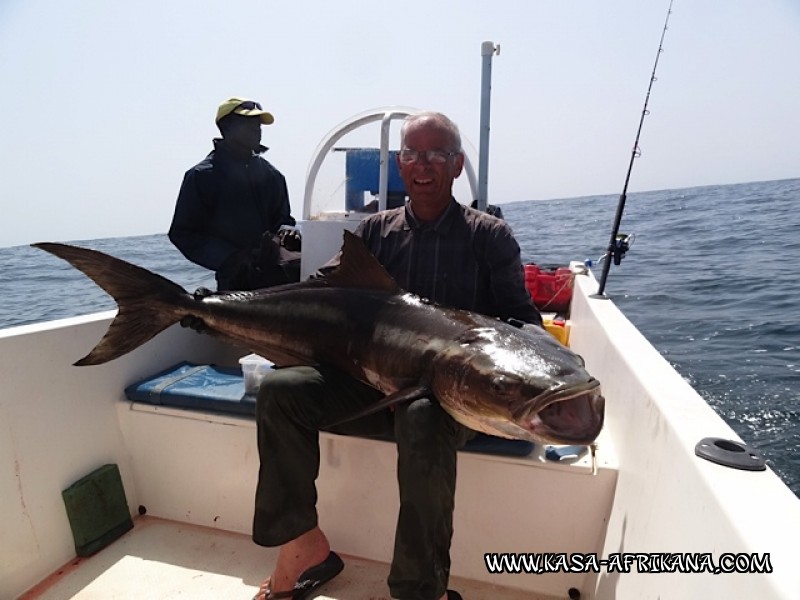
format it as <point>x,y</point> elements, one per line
<point>262,266</point>
<point>290,239</point>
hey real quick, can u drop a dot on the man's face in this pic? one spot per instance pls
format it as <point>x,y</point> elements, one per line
<point>244,132</point>
<point>429,183</point>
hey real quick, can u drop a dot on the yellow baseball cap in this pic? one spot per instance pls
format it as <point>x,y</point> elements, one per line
<point>244,107</point>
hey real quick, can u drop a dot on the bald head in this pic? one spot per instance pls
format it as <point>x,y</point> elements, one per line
<point>437,120</point>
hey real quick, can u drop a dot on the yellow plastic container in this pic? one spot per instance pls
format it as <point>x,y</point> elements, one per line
<point>558,328</point>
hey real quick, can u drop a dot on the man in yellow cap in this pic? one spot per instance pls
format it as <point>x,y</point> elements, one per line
<point>233,215</point>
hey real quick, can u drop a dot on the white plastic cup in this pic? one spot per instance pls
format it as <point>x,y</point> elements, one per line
<point>254,368</point>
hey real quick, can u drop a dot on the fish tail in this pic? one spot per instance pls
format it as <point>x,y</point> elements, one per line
<point>148,303</point>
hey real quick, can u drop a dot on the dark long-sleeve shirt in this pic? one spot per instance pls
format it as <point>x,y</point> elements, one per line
<point>466,259</point>
<point>226,204</point>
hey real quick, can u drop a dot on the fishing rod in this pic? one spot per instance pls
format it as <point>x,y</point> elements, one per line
<point>620,243</point>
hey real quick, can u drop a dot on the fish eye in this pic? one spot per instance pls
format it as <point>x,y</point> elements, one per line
<point>499,385</point>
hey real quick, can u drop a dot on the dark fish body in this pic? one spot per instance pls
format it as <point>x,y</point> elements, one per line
<point>489,375</point>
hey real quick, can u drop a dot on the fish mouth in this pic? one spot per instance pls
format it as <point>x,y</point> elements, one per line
<point>571,415</point>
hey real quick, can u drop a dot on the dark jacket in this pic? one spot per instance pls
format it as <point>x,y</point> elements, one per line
<point>225,205</point>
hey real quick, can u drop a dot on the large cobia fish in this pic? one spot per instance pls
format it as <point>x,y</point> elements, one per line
<point>489,375</point>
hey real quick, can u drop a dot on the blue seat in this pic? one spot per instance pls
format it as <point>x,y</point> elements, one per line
<point>221,390</point>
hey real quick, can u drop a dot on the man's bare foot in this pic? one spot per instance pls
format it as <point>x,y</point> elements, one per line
<point>295,557</point>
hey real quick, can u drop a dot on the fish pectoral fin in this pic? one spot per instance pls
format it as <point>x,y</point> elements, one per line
<point>404,395</point>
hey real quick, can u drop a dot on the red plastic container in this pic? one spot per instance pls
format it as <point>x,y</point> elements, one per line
<point>550,288</point>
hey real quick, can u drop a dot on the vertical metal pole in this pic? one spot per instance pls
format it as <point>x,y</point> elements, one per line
<point>487,50</point>
<point>383,172</point>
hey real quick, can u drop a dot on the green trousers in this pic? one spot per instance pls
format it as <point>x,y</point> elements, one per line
<point>294,404</point>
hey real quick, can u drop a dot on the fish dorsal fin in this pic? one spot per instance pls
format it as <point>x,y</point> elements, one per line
<point>358,268</point>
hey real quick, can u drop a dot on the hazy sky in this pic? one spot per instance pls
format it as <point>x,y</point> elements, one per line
<point>105,104</point>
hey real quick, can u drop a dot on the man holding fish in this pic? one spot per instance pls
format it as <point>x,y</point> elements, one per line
<point>443,252</point>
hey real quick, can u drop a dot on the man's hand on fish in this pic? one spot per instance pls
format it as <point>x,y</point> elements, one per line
<point>196,323</point>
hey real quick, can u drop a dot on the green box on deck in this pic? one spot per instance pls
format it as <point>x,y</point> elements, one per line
<point>97,510</point>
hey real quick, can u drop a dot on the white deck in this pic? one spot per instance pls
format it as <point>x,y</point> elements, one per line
<point>161,560</point>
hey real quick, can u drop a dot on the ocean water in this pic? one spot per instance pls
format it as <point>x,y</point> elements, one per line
<point>709,280</point>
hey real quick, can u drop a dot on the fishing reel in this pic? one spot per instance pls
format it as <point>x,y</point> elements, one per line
<point>616,251</point>
<point>622,243</point>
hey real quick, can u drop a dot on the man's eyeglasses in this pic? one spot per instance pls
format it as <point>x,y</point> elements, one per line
<point>249,105</point>
<point>434,157</point>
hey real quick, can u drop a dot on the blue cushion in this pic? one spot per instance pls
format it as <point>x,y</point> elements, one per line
<point>204,387</point>
<point>221,389</point>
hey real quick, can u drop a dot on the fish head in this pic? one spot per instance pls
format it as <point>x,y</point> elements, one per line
<point>519,383</point>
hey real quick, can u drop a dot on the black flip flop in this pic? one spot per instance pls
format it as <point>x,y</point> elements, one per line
<point>453,595</point>
<point>310,580</point>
